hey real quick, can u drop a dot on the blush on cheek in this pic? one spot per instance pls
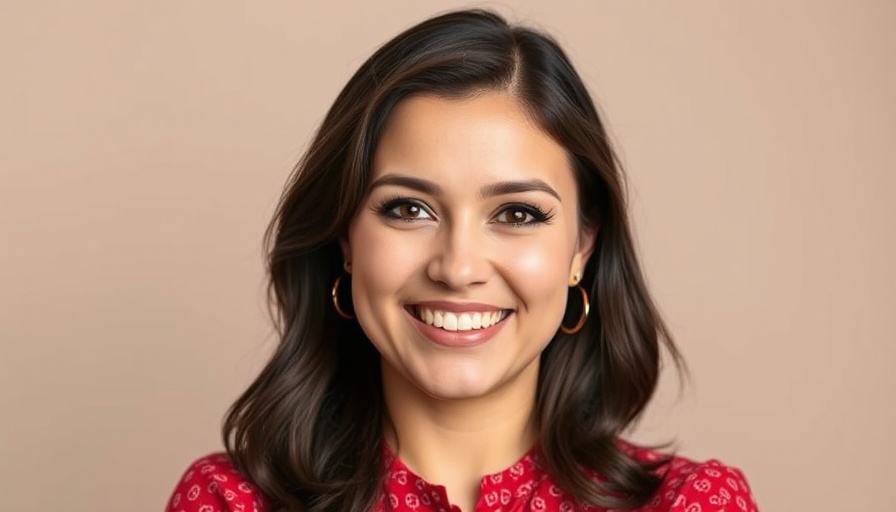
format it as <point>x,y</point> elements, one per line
<point>541,276</point>
<point>540,263</point>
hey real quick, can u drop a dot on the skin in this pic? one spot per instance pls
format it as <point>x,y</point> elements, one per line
<point>457,413</point>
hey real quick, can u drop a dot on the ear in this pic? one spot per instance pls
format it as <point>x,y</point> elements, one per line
<point>587,237</point>
<point>346,249</point>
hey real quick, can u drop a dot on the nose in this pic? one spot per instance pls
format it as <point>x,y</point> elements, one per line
<point>460,256</point>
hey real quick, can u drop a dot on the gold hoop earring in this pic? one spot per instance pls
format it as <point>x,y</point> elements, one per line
<point>586,308</point>
<point>334,294</point>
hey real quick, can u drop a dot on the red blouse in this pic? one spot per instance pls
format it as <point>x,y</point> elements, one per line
<point>213,484</point>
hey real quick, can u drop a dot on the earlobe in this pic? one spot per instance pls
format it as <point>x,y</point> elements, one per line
<point>575,272</point>
<point>346,254</point>
<point>587,238</point>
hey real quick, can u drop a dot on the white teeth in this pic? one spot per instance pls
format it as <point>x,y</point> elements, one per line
<point>459,321</point>
<point>450,322</point>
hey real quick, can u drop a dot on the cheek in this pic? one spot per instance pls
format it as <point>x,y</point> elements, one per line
<point>546,256</point>
<point>382,261</point>
<point>539,260</point>
<point>539,273</point>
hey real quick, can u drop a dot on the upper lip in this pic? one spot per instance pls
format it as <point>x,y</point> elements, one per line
<point>456,307</point>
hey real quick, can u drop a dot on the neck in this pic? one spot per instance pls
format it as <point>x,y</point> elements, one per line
<point>455,442</point>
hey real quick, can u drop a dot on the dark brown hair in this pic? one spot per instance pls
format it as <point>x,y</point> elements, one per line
<point>309,430</point>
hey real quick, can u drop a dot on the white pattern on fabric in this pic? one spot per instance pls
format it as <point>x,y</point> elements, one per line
<point>213,484</point>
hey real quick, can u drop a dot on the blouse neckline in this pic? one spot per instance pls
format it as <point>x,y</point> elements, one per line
<point>506,488</point>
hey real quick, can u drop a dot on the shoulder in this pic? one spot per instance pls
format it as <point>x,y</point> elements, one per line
<point>213,484</point>
<point>690,486</point>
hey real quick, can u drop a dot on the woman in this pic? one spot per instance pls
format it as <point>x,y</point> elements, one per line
<point>464,324</point>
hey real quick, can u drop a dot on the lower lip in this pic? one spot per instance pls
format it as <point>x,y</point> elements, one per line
<point>458,339</point>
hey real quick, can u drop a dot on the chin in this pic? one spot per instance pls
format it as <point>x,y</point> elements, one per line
<point>457,389</point>
<point>469,384</point>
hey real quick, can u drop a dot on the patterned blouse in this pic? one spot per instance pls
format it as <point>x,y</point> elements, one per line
<point>213,484</point>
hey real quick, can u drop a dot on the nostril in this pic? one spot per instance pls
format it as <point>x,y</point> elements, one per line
<point>458,271</point>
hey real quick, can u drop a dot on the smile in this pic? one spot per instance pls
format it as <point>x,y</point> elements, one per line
<point>459,320</point>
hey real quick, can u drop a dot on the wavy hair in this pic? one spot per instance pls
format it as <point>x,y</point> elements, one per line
<point>309,430</point>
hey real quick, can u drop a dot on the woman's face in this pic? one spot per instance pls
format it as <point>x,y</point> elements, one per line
<point>462,254</point>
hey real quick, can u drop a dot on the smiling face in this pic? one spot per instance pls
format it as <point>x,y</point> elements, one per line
<point>463,251</point>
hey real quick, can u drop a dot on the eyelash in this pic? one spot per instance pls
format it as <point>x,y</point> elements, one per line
<point>539,216</point>
<point>385,207</point>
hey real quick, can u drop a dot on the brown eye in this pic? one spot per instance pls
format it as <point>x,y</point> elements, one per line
<point>404,209</point>
<point>522,215</point>
<point>409,211</point>
<point>515,216</point>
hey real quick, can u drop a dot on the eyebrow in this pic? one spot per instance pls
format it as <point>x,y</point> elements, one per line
<point>494,189</point>
<point>514,187</point>
<point>418,184</point>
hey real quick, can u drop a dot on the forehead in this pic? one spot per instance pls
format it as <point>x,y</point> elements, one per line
<point>481,137</point>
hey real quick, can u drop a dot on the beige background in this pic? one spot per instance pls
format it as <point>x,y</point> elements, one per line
<point>143,146</point>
